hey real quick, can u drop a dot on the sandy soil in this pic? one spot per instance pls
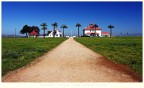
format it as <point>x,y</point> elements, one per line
<point>72,62</point>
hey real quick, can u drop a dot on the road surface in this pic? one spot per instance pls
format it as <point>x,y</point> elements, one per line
<point>72,62</point>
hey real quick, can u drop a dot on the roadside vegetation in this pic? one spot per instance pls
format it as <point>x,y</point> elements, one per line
<point>123,50</point>
<point>18,52</point>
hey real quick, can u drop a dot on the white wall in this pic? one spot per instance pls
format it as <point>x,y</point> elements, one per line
<point>105,35</point>
<point>87,31</point>
<point>97,31</point>
<point>57,34</point>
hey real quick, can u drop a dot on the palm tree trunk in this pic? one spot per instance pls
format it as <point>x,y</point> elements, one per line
<point>44,33</point>
<point>95,32</point>
<point>63,32</point>
<point>53,33</point>
<point>110,32</point>
<point>78,31</point>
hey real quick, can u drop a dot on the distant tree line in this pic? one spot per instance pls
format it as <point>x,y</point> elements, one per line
<point>28,29</point>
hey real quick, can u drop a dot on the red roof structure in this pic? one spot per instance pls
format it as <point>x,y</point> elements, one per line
<point>91,27</point>
<point>33,33</point>
<point>105,33</point>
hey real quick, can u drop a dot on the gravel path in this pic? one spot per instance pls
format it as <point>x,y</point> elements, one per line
<point>72,62</point>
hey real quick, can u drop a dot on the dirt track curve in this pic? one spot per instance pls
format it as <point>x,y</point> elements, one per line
<point>72,62</point>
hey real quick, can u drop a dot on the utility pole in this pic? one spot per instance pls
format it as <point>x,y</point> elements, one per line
<point>121,33</point>
<point>71,32</point>
<point>15,32</point>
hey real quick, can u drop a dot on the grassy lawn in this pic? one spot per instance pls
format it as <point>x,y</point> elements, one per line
<point>18,52</point>
<point>123,50</point>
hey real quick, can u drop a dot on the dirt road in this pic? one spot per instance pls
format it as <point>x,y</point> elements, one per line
<point>72,62</point>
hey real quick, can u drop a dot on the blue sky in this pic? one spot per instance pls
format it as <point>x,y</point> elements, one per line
<point>125,16</point>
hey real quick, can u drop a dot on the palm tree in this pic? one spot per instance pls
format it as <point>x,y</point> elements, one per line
<point>55,25</point>
<point>44,27</point>
<point>110,26</point>
<point>78,25</point>
<point>95,26</point>
<point>63,26</point>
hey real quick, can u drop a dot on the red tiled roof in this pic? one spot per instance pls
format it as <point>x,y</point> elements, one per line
<point>33,33</point>
<point>105,33</point>
<point>91,27</point>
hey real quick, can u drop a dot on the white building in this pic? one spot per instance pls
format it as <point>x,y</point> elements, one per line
<point>105,34</point>
<point>94,32</point>
<point>57,33</point>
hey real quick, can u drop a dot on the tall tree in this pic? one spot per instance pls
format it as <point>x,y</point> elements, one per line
<point>44,27</point>
<point>63,26</point>
<point>110,27</point>
<point>55,25</point>
<point>25,30</point>
<point>78,25</point>
<point>95,26</point>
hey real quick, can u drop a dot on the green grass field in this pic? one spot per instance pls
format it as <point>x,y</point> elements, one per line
<point>18,52</point>
<point>123,50</point>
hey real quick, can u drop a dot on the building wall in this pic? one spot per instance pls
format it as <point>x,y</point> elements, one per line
<point>93,31</point>
<point>86,31</point>
<point>99,31</point>
<point>105,35</point>
<point>58,34</point>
